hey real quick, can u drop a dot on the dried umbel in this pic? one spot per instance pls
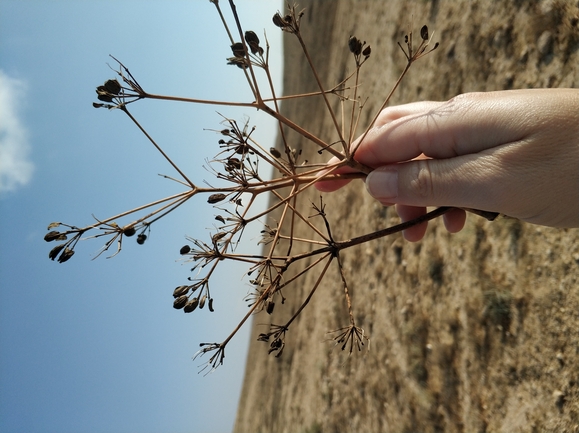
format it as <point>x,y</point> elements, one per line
<point>285,258</point>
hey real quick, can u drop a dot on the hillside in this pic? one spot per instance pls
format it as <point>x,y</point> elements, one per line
<point>472,332</point>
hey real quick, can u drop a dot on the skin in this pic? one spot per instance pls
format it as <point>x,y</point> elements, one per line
<point>514,152</point>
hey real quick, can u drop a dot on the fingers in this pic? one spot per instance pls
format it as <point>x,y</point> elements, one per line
<point>464,181</point>
<point>407,213</point>
<point>333,185</point>
<point>466,124</point>
<point>512,152</point>
<point>454,221</point>
<point>387,116</point>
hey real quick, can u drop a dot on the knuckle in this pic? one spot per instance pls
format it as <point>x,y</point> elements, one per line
<point>422,183</point>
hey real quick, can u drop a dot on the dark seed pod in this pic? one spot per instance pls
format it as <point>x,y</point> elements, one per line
<point>210,306</point>
<point>274,152</point>
<point>269,307</point>
<point>216,198</point>
<point>202,301</point>
<point>237,61</point>
<point>279,21</point>
<point>112,86</point>
<point>218,236</point>
<point>253,42</point>
<point>141,238</point>
<point>129,231</point>
<point>238,49</point>
<point>251,37</point>
<point>258,50</point>
<point>424,33</point>
<point>275,345</point>
<point>241,149</point>
<point>180,302</point>
<point>103,94</point>
<point>54,236</point>
<point>184,249</point>
<point>234,163</point>
<point>220,219</point>
<point>104,98</point>
<point>191,305</point>
<point>180,290</point>
<point>367,51</point>
<point>355,45</point>
<point>66,254</point>
<point>55,251</point>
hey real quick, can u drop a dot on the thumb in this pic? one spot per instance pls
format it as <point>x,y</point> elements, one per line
<point>463,181</point>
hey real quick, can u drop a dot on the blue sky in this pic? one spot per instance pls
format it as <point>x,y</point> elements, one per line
<point>95,345</point>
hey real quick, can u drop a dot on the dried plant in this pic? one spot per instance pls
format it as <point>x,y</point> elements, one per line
<point>236,164</point>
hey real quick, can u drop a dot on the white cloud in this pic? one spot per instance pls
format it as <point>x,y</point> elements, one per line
<point>15,167</point>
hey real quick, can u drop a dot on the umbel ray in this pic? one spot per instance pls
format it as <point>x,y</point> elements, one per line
<point>237,167</point>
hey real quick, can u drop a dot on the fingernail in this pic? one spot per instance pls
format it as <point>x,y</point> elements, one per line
<point>382,183</point>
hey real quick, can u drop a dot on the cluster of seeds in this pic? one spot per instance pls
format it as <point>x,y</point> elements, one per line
<point>241,58</point>
<point>183,299</point>
<point>237,164</point>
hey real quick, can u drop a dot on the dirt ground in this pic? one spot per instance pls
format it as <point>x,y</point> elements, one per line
<point>473,332</point>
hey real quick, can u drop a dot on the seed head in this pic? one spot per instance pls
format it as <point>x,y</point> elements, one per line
<point>180,302</point>
<point>253,42</point>
<point>112,86</point>
<point>355,45</point>
<point>238,50</point>
<point>218,236</point>
<point>216,198</point>
<point>55,251</point>
<point>285,23</point>
<point>66,254</point>
<point>180,291</point>
<point>54,236</point>
<point>191,305</point>
<point>129,231</point>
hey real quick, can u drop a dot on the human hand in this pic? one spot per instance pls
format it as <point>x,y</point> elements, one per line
<point>514,152</point>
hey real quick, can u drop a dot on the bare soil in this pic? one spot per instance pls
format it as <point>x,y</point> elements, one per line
<point>473,332</point>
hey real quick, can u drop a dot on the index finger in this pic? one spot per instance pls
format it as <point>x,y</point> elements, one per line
<point>465,124</point>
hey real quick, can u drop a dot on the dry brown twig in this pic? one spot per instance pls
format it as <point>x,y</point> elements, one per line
<point>236,163</point>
